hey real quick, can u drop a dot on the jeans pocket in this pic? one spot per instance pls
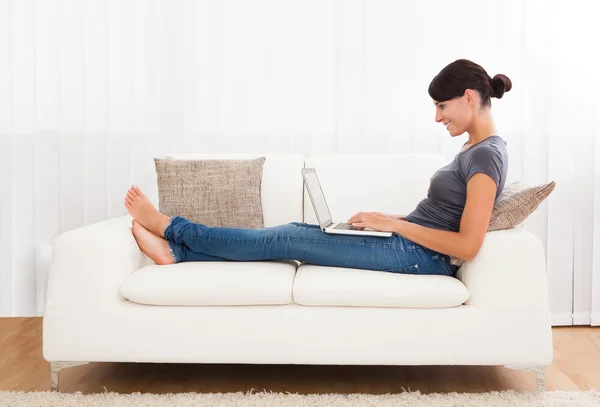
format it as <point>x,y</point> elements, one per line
<point>437,261</point>
<point>443,261</point>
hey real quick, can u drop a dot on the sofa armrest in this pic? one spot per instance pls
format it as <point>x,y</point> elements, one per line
<point>89,264</point>
<point>508,272</point>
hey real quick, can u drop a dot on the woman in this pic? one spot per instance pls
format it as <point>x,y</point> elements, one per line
<point>451,221</point>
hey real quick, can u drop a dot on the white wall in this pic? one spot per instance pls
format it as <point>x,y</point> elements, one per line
<point>91,90</point>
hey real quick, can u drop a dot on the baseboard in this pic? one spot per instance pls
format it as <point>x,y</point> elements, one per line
<point>561,319</point>
<point>582,318</point>
<point>557,319</point>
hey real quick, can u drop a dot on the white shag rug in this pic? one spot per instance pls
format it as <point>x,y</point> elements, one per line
<point>510,398</point>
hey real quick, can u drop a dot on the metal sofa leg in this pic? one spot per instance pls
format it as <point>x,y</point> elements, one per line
<point>539,370</point>
<point>56,367</point>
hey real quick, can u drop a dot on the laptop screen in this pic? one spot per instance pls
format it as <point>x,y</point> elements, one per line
<point>317,197</point>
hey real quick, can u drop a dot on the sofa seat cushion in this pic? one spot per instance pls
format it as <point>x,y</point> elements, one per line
<point>338,286</point>
<point>212,283</point>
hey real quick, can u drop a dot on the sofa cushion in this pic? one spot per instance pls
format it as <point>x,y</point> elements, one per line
<point>517,201</point>
<point>212,283</point>
<point>281,189</point>
<point>219,193</point>
<point>339,286</point>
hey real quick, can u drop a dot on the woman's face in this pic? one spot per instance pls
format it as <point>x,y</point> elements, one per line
<point>455,114</point>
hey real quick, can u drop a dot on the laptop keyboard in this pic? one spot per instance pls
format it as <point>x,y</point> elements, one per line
<point>346,226</point>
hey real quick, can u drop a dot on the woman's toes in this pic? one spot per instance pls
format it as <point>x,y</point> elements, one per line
<point>137,190</point>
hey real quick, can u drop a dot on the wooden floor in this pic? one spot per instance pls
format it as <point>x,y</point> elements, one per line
<point>576,366</point>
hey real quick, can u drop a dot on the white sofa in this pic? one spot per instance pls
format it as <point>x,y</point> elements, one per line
<point>495,312</point>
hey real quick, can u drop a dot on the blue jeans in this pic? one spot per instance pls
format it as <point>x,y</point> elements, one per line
<point>306,243</point>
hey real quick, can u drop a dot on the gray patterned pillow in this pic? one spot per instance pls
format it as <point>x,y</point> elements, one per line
<point>516,202</point>
<point>214,192</point>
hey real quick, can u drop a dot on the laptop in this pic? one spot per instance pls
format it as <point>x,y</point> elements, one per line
<point>322,210</point>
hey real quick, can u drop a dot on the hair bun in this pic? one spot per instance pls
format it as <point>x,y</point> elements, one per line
<point>500,84</point>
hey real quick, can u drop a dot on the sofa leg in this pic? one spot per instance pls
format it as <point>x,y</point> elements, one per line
<point>56,367</point>
<point>540,373</point>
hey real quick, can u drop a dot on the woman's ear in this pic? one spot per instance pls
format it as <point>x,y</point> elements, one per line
<point>470,96</point>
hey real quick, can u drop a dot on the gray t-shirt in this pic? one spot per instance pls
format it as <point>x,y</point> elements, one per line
<point>447,195</point>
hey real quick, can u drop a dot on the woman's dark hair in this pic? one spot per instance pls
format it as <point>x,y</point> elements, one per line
<point>462,74</point>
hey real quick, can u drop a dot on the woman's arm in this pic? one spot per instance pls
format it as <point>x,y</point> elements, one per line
<point>401,217</point>
<point>443,241</point>
<point>474,223</point>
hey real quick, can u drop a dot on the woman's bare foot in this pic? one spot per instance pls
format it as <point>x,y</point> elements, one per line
<point>139,206</point>
<point>153,246</point>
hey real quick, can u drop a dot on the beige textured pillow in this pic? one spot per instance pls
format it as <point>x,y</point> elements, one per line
<point>218,193</point>
<point>516,202</point>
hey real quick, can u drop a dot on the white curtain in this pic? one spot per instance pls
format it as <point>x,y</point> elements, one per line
<point>91,90</point>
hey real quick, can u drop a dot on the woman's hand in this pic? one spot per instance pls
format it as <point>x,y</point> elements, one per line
<point>376,221</point>
<point>401,217</point>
